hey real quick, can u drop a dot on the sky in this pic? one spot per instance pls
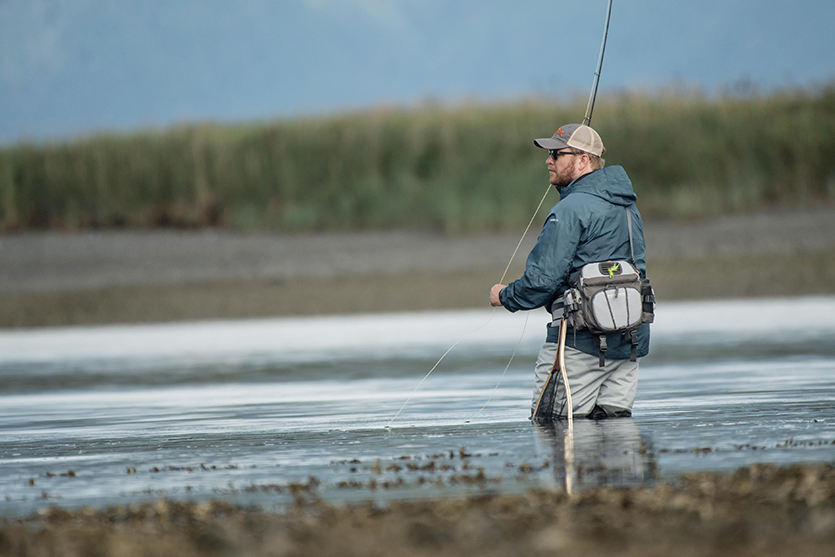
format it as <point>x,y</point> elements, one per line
<point>75,68</point>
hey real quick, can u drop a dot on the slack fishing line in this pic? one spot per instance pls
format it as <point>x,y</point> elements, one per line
<point>510,361</point>
<point>492,313</point>
<point>586,121</point>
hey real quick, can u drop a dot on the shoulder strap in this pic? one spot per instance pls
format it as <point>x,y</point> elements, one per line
<point>629,224</point>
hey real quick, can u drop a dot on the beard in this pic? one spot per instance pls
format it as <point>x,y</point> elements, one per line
<point>562,178</point>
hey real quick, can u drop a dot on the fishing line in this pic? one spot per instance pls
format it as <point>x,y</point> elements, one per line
<point>538,207</point>
<point>425,377</point>
<point>457,342</point>
<point>518,342</point>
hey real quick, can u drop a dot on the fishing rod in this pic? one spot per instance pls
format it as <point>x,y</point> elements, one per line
<point>596,82</point>
<point>586,121</point>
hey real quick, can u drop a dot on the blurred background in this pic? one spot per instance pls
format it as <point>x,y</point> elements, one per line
<point>195,160</point>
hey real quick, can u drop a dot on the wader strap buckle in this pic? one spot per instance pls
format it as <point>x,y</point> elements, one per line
<point>603,348</point>
<point>633,352</point>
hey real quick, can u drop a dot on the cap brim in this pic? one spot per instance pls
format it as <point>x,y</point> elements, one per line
<point>549,143</point>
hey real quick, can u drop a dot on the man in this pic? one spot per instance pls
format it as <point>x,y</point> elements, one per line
<point>588,225</point>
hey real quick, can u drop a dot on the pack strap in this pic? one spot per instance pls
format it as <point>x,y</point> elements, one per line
<point>629,225</point>
<point>558,309</point>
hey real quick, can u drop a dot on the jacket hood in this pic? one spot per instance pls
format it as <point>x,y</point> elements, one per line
<point>610,183</point>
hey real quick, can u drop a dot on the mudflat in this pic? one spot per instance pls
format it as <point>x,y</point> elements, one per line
<point>160,275</point>
<point>760,510</point>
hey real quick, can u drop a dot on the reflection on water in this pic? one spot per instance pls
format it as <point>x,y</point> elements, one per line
<point>595,453</point>
<point>250,411</point>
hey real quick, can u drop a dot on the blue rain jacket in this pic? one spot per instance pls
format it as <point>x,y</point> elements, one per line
<point>588,225</point>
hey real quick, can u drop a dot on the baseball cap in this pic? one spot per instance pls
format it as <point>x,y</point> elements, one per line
<point>576,136</point>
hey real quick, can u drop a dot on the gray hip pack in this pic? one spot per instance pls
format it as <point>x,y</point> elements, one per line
<point>608,297</point>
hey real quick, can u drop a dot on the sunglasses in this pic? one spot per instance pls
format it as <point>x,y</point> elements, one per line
<point>554,153</point>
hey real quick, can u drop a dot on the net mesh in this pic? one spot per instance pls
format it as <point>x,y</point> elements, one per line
<point>552,400</point>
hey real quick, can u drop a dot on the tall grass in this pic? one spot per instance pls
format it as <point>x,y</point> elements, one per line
<point>468,168</point>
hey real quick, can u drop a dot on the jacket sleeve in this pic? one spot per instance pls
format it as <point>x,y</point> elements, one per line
<point>548,265</point>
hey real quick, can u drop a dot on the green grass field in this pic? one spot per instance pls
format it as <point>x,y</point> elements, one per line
<point>457,169</point>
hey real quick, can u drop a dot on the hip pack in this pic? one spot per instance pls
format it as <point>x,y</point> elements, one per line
<point>608,297</point>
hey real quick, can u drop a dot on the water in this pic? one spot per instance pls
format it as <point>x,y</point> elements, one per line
<point>260,412</point>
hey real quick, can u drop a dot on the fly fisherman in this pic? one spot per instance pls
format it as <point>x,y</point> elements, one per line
<point>588,225</point>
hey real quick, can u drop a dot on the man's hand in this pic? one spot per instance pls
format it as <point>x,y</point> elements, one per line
<point>494,294</point>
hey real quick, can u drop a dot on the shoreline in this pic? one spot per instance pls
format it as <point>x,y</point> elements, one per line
<point>761,509</point>
<point>51,279</point>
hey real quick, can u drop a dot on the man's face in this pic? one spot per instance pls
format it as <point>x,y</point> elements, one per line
<point>561,167</point>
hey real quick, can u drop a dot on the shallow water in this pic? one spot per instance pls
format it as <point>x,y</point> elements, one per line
<point>259,412</point>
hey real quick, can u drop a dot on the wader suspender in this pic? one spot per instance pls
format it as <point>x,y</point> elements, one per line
<point>633,334</point>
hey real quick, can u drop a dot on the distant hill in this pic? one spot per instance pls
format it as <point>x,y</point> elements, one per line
<point>75,67</point>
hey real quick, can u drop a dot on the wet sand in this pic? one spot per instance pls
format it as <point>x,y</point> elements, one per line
<point>150,276</point>
<point>758,510</point>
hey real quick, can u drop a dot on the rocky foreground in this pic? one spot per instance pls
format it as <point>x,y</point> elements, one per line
<point>759,510</point>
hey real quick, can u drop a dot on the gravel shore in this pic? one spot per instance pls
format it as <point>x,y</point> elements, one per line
<point>140,276</point>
